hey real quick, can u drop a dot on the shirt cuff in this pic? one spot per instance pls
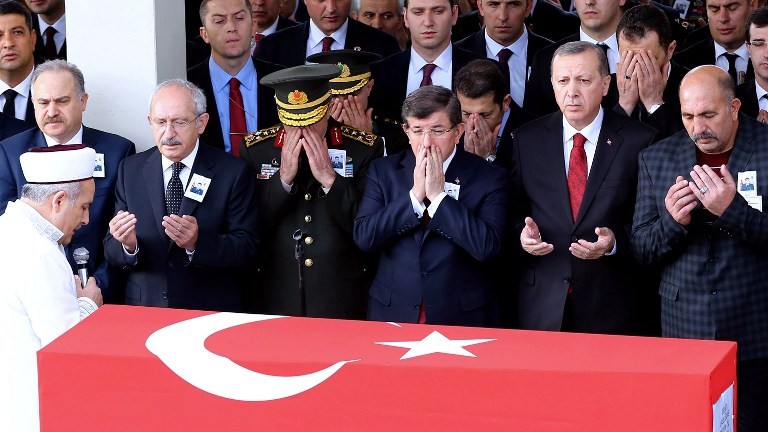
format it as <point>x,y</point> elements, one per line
<point>286,187</point>
<point>87,306</point>
<point>613,251</point>
<point>131,258</point>
<point>436,203</point>
<point>418,207</point>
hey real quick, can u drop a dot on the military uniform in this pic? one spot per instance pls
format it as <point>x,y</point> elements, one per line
<point>335,274</point>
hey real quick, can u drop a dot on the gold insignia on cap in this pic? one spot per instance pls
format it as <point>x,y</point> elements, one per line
<point>344,70</point>
<point>297,97</point>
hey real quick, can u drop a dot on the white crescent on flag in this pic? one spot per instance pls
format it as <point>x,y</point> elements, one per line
<point>181,347</point>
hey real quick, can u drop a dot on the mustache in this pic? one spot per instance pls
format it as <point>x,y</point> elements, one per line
<point>170,141</point>
<point>56,119</point>
<point>703,135</point>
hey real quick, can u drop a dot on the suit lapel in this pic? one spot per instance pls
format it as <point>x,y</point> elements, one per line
<point>555,162</point>
<point>203,166</point>
<point>153,174</point>
<point>608,145</point>
<point>743,148</point>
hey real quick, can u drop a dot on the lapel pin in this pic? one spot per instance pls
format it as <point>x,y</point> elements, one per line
<point>609,141</point>
<point>457,180</point>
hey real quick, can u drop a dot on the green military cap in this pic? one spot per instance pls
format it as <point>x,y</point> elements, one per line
<point>355,68</point>
<point>302,93</point>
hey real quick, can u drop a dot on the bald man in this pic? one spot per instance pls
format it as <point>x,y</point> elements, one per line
<point>698,219</point>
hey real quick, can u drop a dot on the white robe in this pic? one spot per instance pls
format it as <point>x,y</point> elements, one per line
<point>38,302</point>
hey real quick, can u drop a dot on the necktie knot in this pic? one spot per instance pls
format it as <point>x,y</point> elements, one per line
<point>504,55</point>
<point>9,108</point>
<point>258,37</point>
<point>579,140</point>
<point>176,168</point>
<point>732,57</point>
<point>603,46</point>
<point>427,74</point>
<point>327,42</point>
<point>234,84</point>
<point>50,44</point>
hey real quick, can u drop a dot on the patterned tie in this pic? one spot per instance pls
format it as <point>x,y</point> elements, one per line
<point>237,126</point>
<point>577,173</point>
<point>50,45</point>
<point>427,77</point>
<point>9,108</point>
<point>175,190</point>
<point>327,41</point>
<point>504,56</point>
<point>731,57</point>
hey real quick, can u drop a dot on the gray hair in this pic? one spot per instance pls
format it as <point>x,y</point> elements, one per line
<point>428,100</point>
<point>579,47</point>
<point>61,66</point>
<point>197,95</point>
<point>38,193</point>
<point>355,7</point>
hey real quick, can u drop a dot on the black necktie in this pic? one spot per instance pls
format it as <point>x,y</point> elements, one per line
<point>731,57</point>
<point>604,47</point>
<point>504,56</point>
<point>175,190</point>
<point>9,108</point>
<point>50,45</point>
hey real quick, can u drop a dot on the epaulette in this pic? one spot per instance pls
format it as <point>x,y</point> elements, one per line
<point>356,134</point>
<point>260,135</point>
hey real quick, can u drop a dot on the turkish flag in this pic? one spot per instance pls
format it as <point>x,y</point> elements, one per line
<point>145,369</point>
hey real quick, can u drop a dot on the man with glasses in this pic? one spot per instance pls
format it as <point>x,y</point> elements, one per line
<point>434,215</point>
<point>182,249</point>
<point>753,94</point>
<point>574,175</point>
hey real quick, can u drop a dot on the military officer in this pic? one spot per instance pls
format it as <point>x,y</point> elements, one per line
<point>310,265</point>
<point>351,89</point>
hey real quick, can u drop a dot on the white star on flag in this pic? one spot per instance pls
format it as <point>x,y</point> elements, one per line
<point>436,343</point>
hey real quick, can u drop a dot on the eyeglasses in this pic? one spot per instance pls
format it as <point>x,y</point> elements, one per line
<point>175,124</point>
<point>435,133</point>
<point>757,43</point>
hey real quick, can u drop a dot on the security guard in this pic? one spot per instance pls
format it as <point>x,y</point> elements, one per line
<point>310,265</point>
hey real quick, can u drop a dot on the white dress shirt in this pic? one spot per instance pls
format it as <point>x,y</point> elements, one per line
<point>419,207</point>
<point>440,76</point>
<point>613,48</point>
<point>61,31</point>
<point>20,103</point>
<point>742,62</point>
<point>518,71</point>
<point>316,36</point>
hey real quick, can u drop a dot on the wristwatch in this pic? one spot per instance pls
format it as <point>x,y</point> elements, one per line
<point>491,158</point>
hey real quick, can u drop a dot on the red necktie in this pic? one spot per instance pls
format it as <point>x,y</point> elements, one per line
<point>50,45</point>
<point>258,37</point>
<point>327,41</point>
<point>577,173</point>
<point>427,71</point>
<point>237,127</point>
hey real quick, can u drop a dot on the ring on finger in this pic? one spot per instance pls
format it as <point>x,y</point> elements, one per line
<point>704,190</point>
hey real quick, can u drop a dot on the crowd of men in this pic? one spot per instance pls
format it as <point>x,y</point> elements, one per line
<point>402,162</point>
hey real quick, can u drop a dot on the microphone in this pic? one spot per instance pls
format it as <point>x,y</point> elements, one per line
<point>81,255</point>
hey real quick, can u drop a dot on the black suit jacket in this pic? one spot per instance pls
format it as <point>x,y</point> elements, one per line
<point>606,290</point>
<point>200,75</point>
<point>288,47</point>
<point>10,126</point>
<point>703,53</point>
<point>217,276</point>
<point>747,95</point>
<point>40,44</point>
<point>390,77</point>
<point>666,119</point>
<point>539,95</point>
<point>551,22</point>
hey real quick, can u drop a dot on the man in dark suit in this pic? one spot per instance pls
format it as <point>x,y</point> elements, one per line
<point>599,19</point>
<point>434,215</point>
<point>230,78</point>
<point>310,265</point>
<point>710,240</point>
<point>60,100</point>
<point>179,249</point>
<point>329,27</point>
<point>753,93</point>
<point>646,78</point>
<point>432,60</point>
<point>506,40</point>
<point>573,177</point>
<point>727,49</point>
<point>50,24</point>
<point>550,21</point>
<point>385,15</point>
<point>488,112</point>
<point>17,61</point>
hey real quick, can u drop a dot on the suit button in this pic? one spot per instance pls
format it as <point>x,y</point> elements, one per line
<point>713,291</point>
<point>308,262</point>
<point>170,263</point>
<point>417,306</point>
<point>165,295</point>
<point>309,240</point>
<point>424,274</point>
<point>574,239</point>
<point>307,218</point>
<point>566,280</point>
<point>307,197</point>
